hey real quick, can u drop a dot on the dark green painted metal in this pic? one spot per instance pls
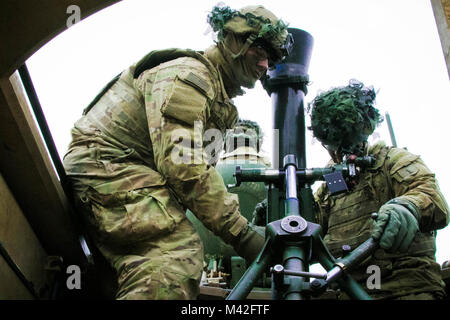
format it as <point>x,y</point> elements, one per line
<point>307,203</point>
<point>250,193</point>
<point>359,254</point>
<point>275,206</point>
<point>347,283</point>
<point>294,259</point>
<point>238,267</point>
<point>252,172</point>
<point>391,130</point>
<point>251,276</point>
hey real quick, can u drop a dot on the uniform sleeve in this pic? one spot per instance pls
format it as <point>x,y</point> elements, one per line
<point>413,181</point>
<point>177,102</point>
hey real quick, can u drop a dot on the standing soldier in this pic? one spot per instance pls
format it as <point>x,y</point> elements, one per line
<point>242,148</point>
<point>398,186</point>
<point>244,144</point>
<point>124,158</point>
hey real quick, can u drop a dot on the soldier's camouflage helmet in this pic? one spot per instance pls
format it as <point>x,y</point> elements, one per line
<point>245,133</point>
<point>343,117</point>
<point>258,25</point>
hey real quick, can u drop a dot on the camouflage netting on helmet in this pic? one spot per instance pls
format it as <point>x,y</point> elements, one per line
<point>344,116</point>
<point>249,20</point>
<point>220,16</point>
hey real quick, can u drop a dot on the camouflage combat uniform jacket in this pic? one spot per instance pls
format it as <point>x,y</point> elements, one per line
<point>124,162</point>
<point>345,219</point>
<point>249,194</point>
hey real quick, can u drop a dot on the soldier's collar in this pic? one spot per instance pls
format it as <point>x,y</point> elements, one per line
<point>216,58</point>
<point>376,150</point>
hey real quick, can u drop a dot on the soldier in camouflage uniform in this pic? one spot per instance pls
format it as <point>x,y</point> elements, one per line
<point>398,186</point>
<point>127,158</point>
<point>244,143</point>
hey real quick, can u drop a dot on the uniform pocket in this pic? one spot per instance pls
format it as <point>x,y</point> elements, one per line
<point>124,218</point>
<point>185,103</point>
<point>153,212</point>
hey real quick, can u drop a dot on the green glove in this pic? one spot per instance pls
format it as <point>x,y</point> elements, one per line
<point>396,225</point>
<point>251,242</point>
<point>259,214</point>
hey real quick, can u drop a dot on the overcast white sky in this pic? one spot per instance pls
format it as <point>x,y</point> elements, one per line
<point>392,45</point>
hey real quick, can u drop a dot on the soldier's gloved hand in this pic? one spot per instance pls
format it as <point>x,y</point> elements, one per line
<point>251,242</point>
<point>396,225</point>
<point>259,214</point>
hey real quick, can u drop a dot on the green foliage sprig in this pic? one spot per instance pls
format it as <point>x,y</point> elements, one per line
<point>219,16</point>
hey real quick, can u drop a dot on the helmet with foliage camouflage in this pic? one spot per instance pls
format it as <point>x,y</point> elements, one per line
<point>245,133</point>
<point>344,117</point>
<point>258,25</point>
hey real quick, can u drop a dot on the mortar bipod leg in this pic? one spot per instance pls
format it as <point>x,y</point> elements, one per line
<point>253,273</point>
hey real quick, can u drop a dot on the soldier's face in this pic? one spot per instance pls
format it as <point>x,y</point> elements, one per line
<point>253,65</point>
<point>257,61</point>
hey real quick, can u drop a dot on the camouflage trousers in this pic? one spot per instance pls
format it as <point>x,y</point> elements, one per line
<point>145,236</point>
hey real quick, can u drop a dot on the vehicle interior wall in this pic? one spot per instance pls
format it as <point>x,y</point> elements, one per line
<point>21,243</point>
<point>35,216</point>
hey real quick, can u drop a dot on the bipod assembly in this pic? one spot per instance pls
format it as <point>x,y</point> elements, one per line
<point>293,243</point>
